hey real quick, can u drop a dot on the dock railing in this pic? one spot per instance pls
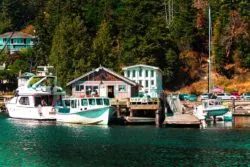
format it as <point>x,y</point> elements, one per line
<point>174,103</point>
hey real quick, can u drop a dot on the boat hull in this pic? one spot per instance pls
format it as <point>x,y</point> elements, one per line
<point>34,113</point>
<point>217,111</point>
<point>98,116</point>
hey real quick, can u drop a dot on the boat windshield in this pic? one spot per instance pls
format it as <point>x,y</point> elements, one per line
<point>92,102</point>
<point>99,101</point>
<point>84,102</point>
<point>106,102</point>
<point>67,103</point>
<point>44,100</point>
<point>41,81</point>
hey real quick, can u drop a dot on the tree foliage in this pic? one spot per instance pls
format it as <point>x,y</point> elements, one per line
<point>78,35</point>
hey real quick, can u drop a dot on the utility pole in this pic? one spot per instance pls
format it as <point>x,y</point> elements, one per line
<point>209,49</point>
<point>169,11</point>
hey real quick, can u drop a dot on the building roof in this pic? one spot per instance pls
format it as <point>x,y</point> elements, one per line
<point>16,34</point>
<point>107,70</point>
<point>141,65</point>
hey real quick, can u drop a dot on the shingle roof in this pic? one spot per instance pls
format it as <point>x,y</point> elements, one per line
<point>16,34</point>
<point>107,70</point>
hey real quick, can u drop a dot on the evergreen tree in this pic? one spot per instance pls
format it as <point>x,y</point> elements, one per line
<point>70,49</point>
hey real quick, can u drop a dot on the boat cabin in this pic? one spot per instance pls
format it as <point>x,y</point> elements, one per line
<point>86,103</point>
<point>38,100</point>
<point>211,102</point>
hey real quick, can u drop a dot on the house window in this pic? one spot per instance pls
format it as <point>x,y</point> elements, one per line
<point>92,90</point>
<point>133,73</point>
<point>24,41</point>
<point>24,101</point>
<point>12,41</point>
<point>128,73</point>
<point>152,83</point>
<point>88,90</point>
<point>146,73</point>
<point>146,84</point>
<point>140,82</point>
<point>140,72</point>
<point>152,73</point>
<point>79,87</point>
<point>122,88</point>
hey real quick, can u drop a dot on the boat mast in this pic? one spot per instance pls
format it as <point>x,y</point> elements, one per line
<point>209,49</point>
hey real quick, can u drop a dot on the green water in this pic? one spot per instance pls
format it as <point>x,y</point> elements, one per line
<point>32,143</point>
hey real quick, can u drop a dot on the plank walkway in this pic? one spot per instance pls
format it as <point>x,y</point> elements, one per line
<point>182,119</point>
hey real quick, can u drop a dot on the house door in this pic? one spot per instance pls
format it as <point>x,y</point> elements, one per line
<point>111,93</point>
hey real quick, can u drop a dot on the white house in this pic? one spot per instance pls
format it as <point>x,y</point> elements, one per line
<point>149,77</point>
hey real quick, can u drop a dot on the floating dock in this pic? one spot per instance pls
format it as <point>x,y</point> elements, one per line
<point>182,120</point>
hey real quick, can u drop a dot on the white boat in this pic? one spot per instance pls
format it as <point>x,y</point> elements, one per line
<point>37,98</point>
<point>88,110</point>
<point>211,107</point>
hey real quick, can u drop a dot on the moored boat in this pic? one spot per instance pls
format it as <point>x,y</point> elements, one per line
<point>88,110</point>
<point>212,107</point>
<point>37,98</point>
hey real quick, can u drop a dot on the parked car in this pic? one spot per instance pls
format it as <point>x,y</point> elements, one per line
<point>225,96</point>
<point>246,96</point>
<point>191,97</point>
<point>183,96</point>
<point>236,95</point>
<point>204,96</point>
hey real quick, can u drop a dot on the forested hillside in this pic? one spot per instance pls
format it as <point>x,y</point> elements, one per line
<point>77,35</point>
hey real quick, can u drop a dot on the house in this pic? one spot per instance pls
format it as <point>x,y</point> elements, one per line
<point>16,41</point>
<point>149,77</point>
<point>105,83</point>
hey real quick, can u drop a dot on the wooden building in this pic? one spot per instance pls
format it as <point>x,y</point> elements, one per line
<point>105,83</point>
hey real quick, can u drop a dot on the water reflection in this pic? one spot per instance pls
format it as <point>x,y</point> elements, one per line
<point>219,124</point>
<point>30,123</point>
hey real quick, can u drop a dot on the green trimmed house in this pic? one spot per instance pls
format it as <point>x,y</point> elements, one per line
<point>149,77</point>
<point>16,41</point>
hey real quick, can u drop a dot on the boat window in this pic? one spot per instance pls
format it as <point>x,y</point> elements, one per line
<point>59,101</point>
<point>67,103</point>
<point>24,101</point>
<point>99,101</point>
<point>106,102</point>
<point>84,102</point>
<point>38,101</point>
<point>92,102</point>
<point>73,103</point>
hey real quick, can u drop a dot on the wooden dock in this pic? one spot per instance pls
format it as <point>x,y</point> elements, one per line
<point>182,120</point>
<point>137,111</point>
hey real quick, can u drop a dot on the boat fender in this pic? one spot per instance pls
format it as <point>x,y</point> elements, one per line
<point>53,111</point>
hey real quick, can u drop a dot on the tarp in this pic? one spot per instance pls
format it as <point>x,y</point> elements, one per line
<point>218,90</point>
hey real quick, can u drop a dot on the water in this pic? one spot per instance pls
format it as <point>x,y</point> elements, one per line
<point>35,144</point>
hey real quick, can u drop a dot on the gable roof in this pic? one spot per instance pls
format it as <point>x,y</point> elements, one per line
<point>16,34</point>
<point>141,65</point>
<point>107,70</point>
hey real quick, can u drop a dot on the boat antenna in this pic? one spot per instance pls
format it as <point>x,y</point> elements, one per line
<point>44,70</point>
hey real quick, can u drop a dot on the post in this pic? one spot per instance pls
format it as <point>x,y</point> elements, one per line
<point>209,48</point>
